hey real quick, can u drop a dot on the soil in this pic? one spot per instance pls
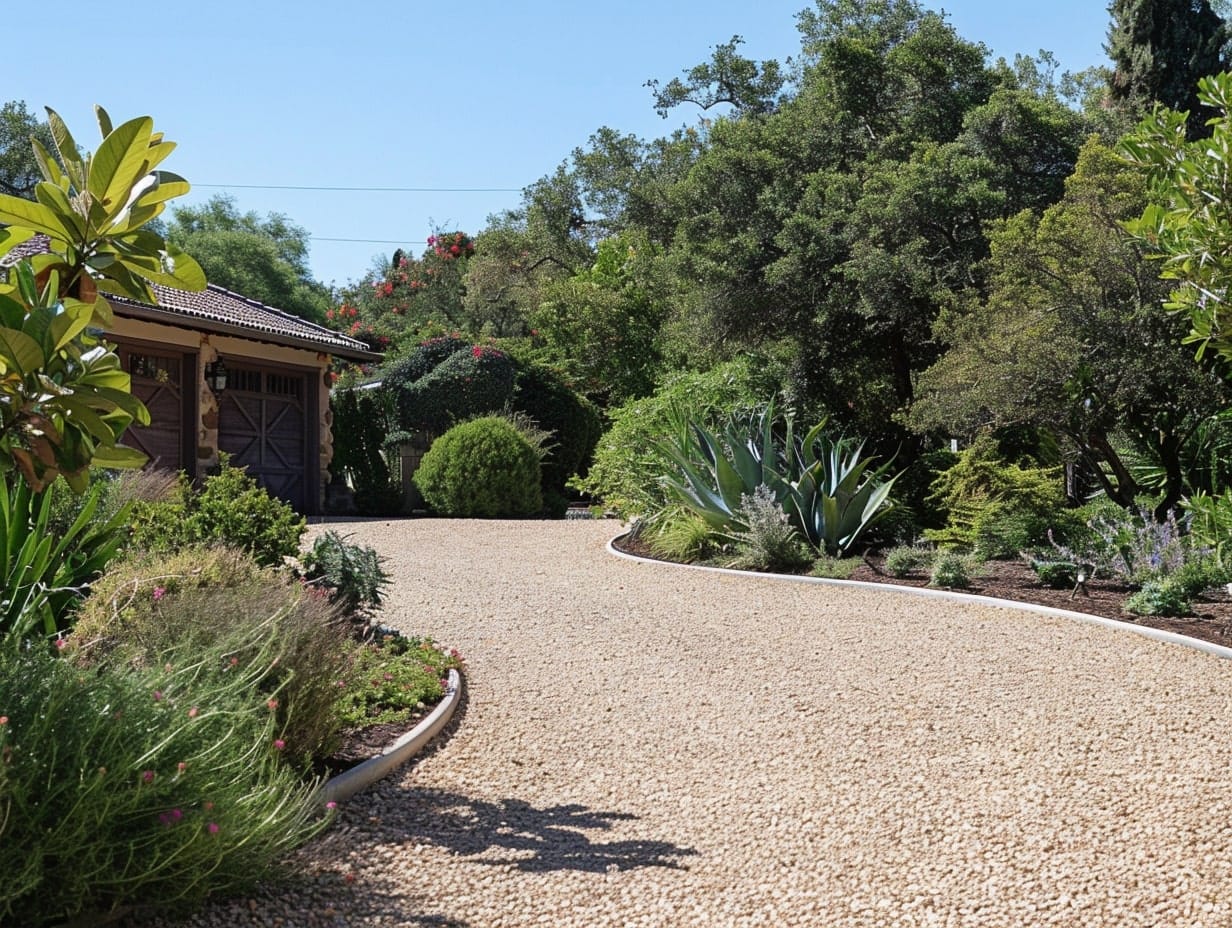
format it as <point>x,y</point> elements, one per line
<point>360,744</point>
<point>1210,621</point>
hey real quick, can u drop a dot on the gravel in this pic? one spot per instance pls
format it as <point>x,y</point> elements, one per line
<point>644,745</point>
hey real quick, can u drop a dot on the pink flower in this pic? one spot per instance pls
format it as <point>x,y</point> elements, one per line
<point>61,644</point>
<point>331,805</point>
<point>159,593</point>
<point>192,713</point>
<point>4,719</point>
<point>147,776</point>
<point>272,704</point>
<point>212,828</point>
<point>158,695</point>
<point>181,766</point>
<point>431,239</point>
<point>279,744</point>
<point>208,806</point>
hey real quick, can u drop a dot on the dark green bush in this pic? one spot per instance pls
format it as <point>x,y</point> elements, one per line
<point>466,384</point>
<point>912,489</point>
<point>361,423</point>
<point>1199,573</point>
<point>149,787</point>
<point>571,418</point>
<point>1005,528</point>
<point>352,574</point>
<point>231,509</point>
<point>483,468</point>
<point>420,362</point>
<point>1058,575</point>
<point>198,599</point>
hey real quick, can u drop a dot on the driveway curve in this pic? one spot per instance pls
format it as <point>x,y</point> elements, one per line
<point>650,746</point>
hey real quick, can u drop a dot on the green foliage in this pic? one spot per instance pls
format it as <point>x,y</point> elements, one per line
<point>1022,498</point>
<point>482,468</point>
<point>1210,523</point>
<point>1200,572</point>
<point>571,418</point>
<point>679,535</point>
<point>1159,50</point>
<point>231,509</point>
<point>45,573</point>
<point>769,541</point>
<point>353,575</point>
<point>905,560</point>
<point>19,169</point>
<point>149,788</point>
<point>265,259</point>
<point>387,684</point>
<point>1058,575</point>
<point>835,568</point>
<point>470,382</point>
<point>951,571</point>
<point>1187,218</point>
<point>628,461</point>
<point>361,421</point>
<point>1163,596</point>
<point>210,600</point>
<point>727,78</point>
<point>1130,545</point>
<point>1005,528</point>
<point>64,399</point>
<point>420,361</point>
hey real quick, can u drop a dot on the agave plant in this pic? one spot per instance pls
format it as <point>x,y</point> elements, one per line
<point>823,484</point>
<point>830,493</point>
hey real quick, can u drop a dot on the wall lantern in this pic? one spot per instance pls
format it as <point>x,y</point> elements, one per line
<point>216,376</point>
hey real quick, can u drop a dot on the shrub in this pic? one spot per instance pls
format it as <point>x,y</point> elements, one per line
<point>769,541</point>
<point>951,571</point>
<point>679,535</point>
<point>151,787</point>
<point>1163,596</point>
<point>1199,573</point>
<point>980,480</point>
<point>1005,528</point>
<point>627,465</point>
<point>482,468</point>
<point>152,604</point>
<point>1210,523</point>
<point>1133,546</point>
<point>1056,574</point>
<point>230,509</point>
<point>571,418</point>
<point>420,362</point>
<point>466,384</point>
<point>835,568</point>
<point>361,422</point>
<point>905,560</point>
<point>352,574</point>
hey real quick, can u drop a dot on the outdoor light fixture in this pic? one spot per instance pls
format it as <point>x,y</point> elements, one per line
<point>216,376</point>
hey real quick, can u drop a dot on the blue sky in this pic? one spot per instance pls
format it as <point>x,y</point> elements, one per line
<point>378,94</point>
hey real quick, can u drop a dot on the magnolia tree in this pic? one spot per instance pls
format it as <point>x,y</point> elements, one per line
<point>65,401</point>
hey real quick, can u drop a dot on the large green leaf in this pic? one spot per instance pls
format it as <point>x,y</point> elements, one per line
<point>66,147</point>
<point>20,352</point>
<point>27,214</point>
<point>119,163</point>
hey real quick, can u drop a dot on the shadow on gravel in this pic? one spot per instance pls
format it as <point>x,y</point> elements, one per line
<point>539,839</point>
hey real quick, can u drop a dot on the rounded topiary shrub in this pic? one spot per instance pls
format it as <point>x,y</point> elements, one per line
<point>483,468</point>
<point>468,383</point>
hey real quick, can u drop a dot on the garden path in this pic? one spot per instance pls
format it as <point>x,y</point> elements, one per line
<point>648,745</point>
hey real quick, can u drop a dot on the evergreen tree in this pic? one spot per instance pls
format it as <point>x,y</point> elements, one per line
<point>1159,49</point>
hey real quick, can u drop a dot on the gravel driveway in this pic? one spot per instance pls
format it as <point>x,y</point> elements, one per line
<point>646,745</point>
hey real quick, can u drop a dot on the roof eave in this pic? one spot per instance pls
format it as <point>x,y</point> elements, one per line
<point>148,313</point>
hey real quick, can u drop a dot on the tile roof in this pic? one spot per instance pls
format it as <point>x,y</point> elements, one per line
<point>217,309</point>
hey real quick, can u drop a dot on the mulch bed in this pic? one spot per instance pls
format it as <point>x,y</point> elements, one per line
<point>360,744</point>
<point>1014,580</point>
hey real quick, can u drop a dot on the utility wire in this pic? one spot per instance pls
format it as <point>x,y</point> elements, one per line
<point>363,189</point>
<point>366,241</point>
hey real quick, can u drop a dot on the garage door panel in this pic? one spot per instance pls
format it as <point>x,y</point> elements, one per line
<point>263,426</point>
<point>157,380</point>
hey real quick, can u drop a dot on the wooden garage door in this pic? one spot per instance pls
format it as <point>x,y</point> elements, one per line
<point>263,425</point>
<point>158,380</point>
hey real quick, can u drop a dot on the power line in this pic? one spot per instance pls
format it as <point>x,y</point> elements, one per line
<point>366,241</point>
<point>363,189</point>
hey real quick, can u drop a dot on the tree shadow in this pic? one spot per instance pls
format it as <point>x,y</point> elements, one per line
<point>538,839</point>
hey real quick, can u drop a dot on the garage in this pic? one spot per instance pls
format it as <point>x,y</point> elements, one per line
<point>264,425</point>
<point>159,378</point>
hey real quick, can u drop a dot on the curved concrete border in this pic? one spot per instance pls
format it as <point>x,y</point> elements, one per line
<point>1155,633</point>
<point>349,782</point>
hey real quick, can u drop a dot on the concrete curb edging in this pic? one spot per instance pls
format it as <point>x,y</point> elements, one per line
<point>349,782</point>
<point>1155,633</point>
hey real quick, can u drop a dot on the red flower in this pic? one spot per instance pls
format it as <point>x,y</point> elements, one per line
<point>453,249</point>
